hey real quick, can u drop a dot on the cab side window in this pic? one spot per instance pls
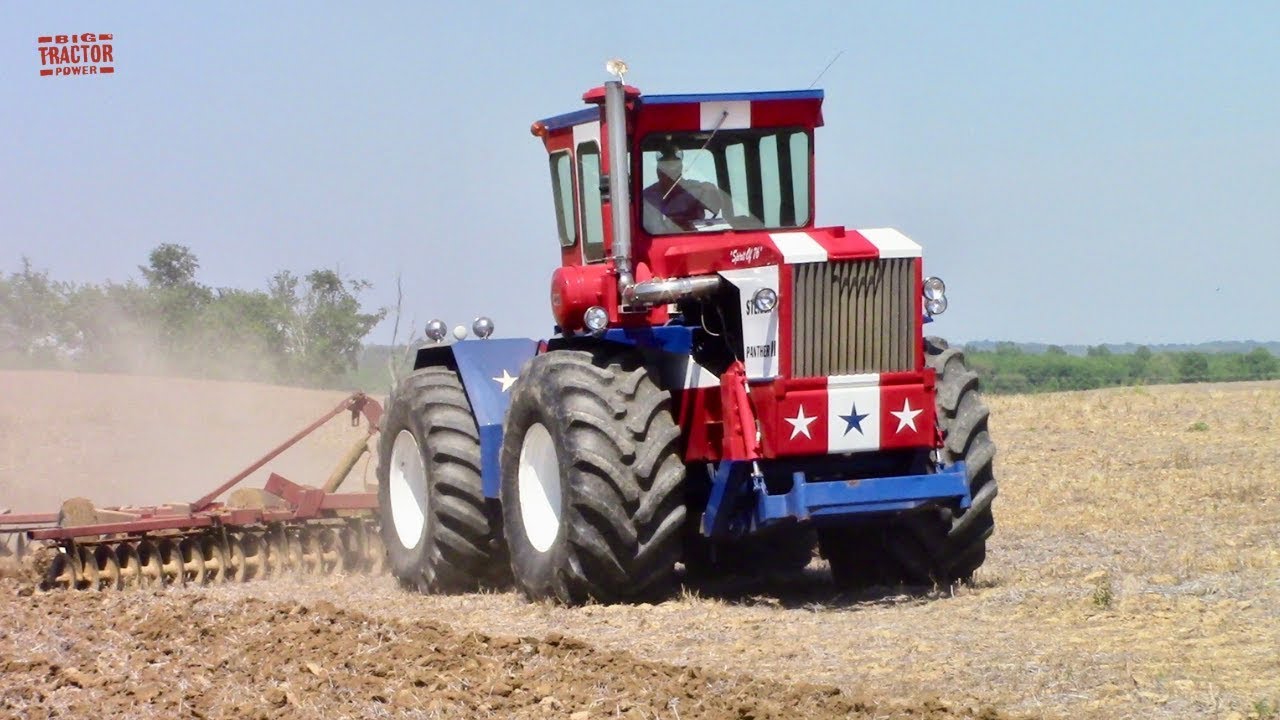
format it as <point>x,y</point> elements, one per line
<point>592,203</point>
<point>562,188</point>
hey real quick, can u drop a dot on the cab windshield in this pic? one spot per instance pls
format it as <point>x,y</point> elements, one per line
<point>729,179</point>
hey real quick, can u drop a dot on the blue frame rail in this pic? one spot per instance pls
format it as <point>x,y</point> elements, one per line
<point>822,501</point>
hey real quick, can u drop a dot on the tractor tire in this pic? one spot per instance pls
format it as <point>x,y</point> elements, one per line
<point>962,418</point>
<point>431,505</point>
<point>592,480</point>
<point>938,547</point>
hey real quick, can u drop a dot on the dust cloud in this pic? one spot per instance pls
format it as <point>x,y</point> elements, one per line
<point>135,439</point>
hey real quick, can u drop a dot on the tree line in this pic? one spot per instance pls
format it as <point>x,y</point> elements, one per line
<point>303,330</point>
<point>1009,369</point>
<point>309,330</point>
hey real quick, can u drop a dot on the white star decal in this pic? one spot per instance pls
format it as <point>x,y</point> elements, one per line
<point>506,381</point>
<point>906,416</point>
<point>800,424</point>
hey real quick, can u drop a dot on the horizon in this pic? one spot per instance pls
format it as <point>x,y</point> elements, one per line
<point>1081,173</point>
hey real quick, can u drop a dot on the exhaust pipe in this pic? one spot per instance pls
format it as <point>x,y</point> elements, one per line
<point>615,115</point>
<point>661,292</point>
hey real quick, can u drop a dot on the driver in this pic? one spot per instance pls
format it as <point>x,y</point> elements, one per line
<point>674,203</point>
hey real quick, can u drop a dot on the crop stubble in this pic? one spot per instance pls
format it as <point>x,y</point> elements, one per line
<point>1135,573</point>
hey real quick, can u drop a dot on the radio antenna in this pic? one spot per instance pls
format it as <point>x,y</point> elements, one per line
<point>825,69</point>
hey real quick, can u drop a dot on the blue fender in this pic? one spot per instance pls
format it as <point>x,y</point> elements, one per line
<point>489,369</point>
<point>676,339</point>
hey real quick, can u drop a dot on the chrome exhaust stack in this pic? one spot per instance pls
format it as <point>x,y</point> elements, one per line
<point>615,115</point>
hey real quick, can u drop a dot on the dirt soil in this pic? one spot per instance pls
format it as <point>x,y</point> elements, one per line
<point>1135,573</point>
<point>217,655</point>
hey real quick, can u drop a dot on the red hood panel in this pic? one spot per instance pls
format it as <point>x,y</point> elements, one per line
<point>686,255</point>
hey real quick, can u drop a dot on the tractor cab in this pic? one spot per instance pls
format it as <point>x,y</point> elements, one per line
<point>702,174</point>
<point>686,226</point>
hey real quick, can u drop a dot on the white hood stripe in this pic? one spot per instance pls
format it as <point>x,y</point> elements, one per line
<point>891,243</point>
<point>798,247</point>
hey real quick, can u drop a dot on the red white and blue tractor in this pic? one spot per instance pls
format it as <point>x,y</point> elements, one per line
<point>727,382</point>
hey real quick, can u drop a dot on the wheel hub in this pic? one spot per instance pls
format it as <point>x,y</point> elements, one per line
<point>408,490</point>
<point>539,488</point>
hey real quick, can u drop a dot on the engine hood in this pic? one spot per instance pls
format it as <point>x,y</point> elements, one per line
<point>703,254</point>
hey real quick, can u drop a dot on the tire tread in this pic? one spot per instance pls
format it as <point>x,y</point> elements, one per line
<point>461,553</point>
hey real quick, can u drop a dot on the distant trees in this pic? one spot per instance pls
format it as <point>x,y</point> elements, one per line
<point>299,330</point>
<point>1258,364</point>
<point>323,324</point>
<point>1193,367</point>
<point>1008,369</point>
<point>172,266</point>
<point>32,314</point>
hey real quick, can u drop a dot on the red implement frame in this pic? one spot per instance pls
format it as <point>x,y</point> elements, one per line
<point>300,502</point>
<point>358,404</point>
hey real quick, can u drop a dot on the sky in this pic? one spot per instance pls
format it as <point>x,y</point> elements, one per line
<point>1078,172</point>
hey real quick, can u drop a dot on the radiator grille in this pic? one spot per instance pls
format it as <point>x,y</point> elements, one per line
<point>853,317</point>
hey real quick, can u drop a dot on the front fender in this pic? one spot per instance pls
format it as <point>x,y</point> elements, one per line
<point>489,369</point>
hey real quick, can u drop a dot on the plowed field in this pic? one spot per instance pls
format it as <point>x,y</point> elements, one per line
<point>1135,573</point>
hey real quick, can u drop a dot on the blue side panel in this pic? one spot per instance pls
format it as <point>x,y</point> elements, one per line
<point>489,369</point>
<point>491,459</point>
<point>732,97</point>
<point>667,338</point>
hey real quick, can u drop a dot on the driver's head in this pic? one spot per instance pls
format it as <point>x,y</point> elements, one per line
<point>669,163</point>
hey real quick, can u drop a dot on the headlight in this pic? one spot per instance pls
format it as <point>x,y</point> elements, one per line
<point>596,319</point>
<point>460,332</point>
<point>935,289</point>
<point>765,300</point>
<point>936,306</point>
<point>482,327</point>
<point>436,330</point>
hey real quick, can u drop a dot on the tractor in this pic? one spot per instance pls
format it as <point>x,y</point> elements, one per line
<point>728,384</point>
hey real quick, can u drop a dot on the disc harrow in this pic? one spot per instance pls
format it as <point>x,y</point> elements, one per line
<point>281,529</point>
<point>216,557</point>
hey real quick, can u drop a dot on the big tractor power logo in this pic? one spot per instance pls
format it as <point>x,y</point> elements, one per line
<point>83,54</point>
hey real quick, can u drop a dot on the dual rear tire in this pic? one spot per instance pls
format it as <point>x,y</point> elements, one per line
<point>592,503</point>
<point>592,480</point>
<point>435,521</point>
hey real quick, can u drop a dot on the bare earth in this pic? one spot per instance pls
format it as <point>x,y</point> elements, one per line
<point>1135,572</point>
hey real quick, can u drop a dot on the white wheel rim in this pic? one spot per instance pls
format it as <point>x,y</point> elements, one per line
<point>408,490</point>
<point>538,486</point>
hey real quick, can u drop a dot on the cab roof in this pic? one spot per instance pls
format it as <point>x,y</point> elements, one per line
<point>596,95</point>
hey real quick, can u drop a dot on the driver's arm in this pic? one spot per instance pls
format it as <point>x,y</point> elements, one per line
<point>710,195</point>
<point>655,221</point>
